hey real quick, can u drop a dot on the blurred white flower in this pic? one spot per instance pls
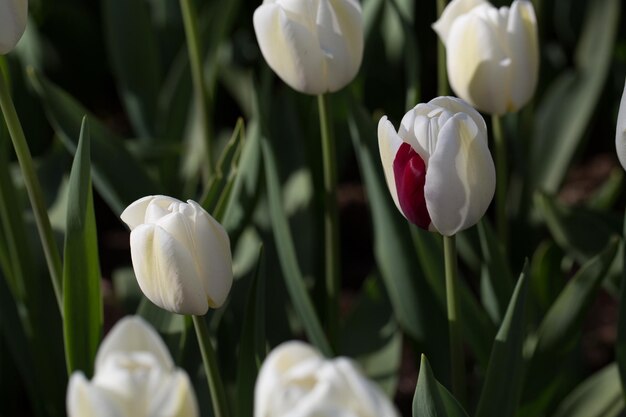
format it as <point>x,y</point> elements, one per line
<point>134,376</point>
<point>438,166</point>
<point>620,133</point>
<point>492,54</point>
<point>181,255</point>
<point>13,16</point>
<point>296,381</point>
<point>315,46</point>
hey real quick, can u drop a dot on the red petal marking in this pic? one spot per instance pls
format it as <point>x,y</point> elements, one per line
<point>409,171</point>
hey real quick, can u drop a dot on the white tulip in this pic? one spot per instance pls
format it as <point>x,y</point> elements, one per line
<point>315,46</point>
<point>296,381</point>
<point>134,376</point>
<point>492,54</point>
<point>13,16</point>
<point>181,255</point>
<point>438,166</point>
<point>620,133</point>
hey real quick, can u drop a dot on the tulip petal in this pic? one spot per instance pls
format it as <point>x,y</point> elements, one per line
<point>134,334</point>
<point>290,48</point>
<point>460,181</point>
<point>174,397</point>
<point>453,10</point>
<point>340,31</point>
<point>85,399</point>
<point>166,272</point>
<point>410,174</point>
<point>388,144</point>
<point>13,17</point>
<point>137,212</point>
<point>524,45</point>
<point>620,133</point>
<point>280,360</point>
<point>478,65</point>
<point>212,251</point>
<point>457,105</point>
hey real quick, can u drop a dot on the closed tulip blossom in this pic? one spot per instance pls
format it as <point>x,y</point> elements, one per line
<point>134,376</point>
<point>13,16</point>
<point>492,54</point>
<point>296,381</point>
<point>315,46</point>
<point>180,254</point>
<point>620,134</point>
<point>437,165</point>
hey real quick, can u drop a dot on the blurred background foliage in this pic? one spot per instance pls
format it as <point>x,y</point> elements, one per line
<point>124,63</point>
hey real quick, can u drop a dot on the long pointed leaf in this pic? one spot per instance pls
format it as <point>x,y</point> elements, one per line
<point>432,399</point>
<point>287,255</point>
<point>498,399</point>
<point>82,300</point>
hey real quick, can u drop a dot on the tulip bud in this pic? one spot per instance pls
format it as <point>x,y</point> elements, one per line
<point>315,46</point>
<point>296,381</point>
<point>492,54</point>
<point>181,255</point>
<point>134,376</point>
<point>438,166</point>
<point>13,15</point>
<point>620,134</point>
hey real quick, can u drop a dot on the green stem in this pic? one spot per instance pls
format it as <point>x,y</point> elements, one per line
<point>331,223</point>
<point>501,178</point>
<point>216,387</point>
<point>457,361</point>
<point>442,74</point>
<point>194,50</point>
<point>50,249</point>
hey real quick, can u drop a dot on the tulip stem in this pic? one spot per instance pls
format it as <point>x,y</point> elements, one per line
<point>50,249</point>
<point>331,223</point>
<point>442,74</point>
<point>216,386</point>
<point>190,21</point>
<point>501,178</point>
<point>457,360</point>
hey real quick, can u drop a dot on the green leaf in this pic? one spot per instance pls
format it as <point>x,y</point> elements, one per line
<point>117,175</point>
<point>506,362</point>
<point>577,230</point>
<point>287,255</point>
<point>82,301</point>
<point>252,346</point>
<point>560,329</point>
<point>498,282</point>
<point>132,48</point>
<point>567,107</point>
<point>598,396</point>
<point>432,399</point>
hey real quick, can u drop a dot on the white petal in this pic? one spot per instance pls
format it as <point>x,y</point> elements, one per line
<point>453,10</point>
<point>478,65</point>
<point>130,334</point>
<point>340,31</point>
<point>174,397</point>
<point>388,144</point>
<point>620,133</point>
<point>84,399</point>
<point>457,105</point>
<point>460,181</point>
<point>290,48</point>
<point>13,17</point>
<point>136,213</point>
<point>213,256</point>
<point>524,45</point>
<point>166,271</point>
<point>276,364</point>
